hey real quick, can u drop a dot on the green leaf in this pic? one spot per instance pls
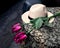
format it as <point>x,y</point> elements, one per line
<point>57,14</point>
<point>38,23</point>
<point>46,23</point>
<point>44,18</point>
<point>33,21</point>
<point>49,25</point>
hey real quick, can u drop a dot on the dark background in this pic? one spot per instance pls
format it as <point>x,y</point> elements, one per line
<point>9,16</point>
<point>51,3</point>
<point>7,4</point>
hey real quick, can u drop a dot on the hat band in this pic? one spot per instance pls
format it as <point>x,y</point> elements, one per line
<point>30,18</point>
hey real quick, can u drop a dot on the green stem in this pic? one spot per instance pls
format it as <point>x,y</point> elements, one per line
<point>55,15</point>
<point>29,31</point>
<point>25,24</point>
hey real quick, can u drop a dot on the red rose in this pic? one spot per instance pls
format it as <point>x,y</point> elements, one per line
<point>16,27</point>
<point>20,37</point>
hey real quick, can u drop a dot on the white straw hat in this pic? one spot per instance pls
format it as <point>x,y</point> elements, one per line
<point>36,10</point>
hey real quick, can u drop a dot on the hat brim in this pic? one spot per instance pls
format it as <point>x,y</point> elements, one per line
<point>25,18</point>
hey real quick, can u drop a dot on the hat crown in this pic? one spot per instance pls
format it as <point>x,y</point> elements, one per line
<point>37,10</point>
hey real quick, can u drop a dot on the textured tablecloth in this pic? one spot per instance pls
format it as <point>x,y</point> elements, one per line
<point>46,37</point>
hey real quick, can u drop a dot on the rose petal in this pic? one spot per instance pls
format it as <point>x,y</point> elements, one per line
<point>19,34</point>
<point>23,37</point>
<point>17,28</point>
<point>16,25</point>
<point>18,40</point>
<point>20,37</point>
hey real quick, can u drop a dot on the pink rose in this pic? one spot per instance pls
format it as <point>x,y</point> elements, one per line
<point>16,27</point>
<point>20,37</point>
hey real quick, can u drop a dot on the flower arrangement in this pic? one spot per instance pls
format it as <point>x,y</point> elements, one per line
<point>36,24</point>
